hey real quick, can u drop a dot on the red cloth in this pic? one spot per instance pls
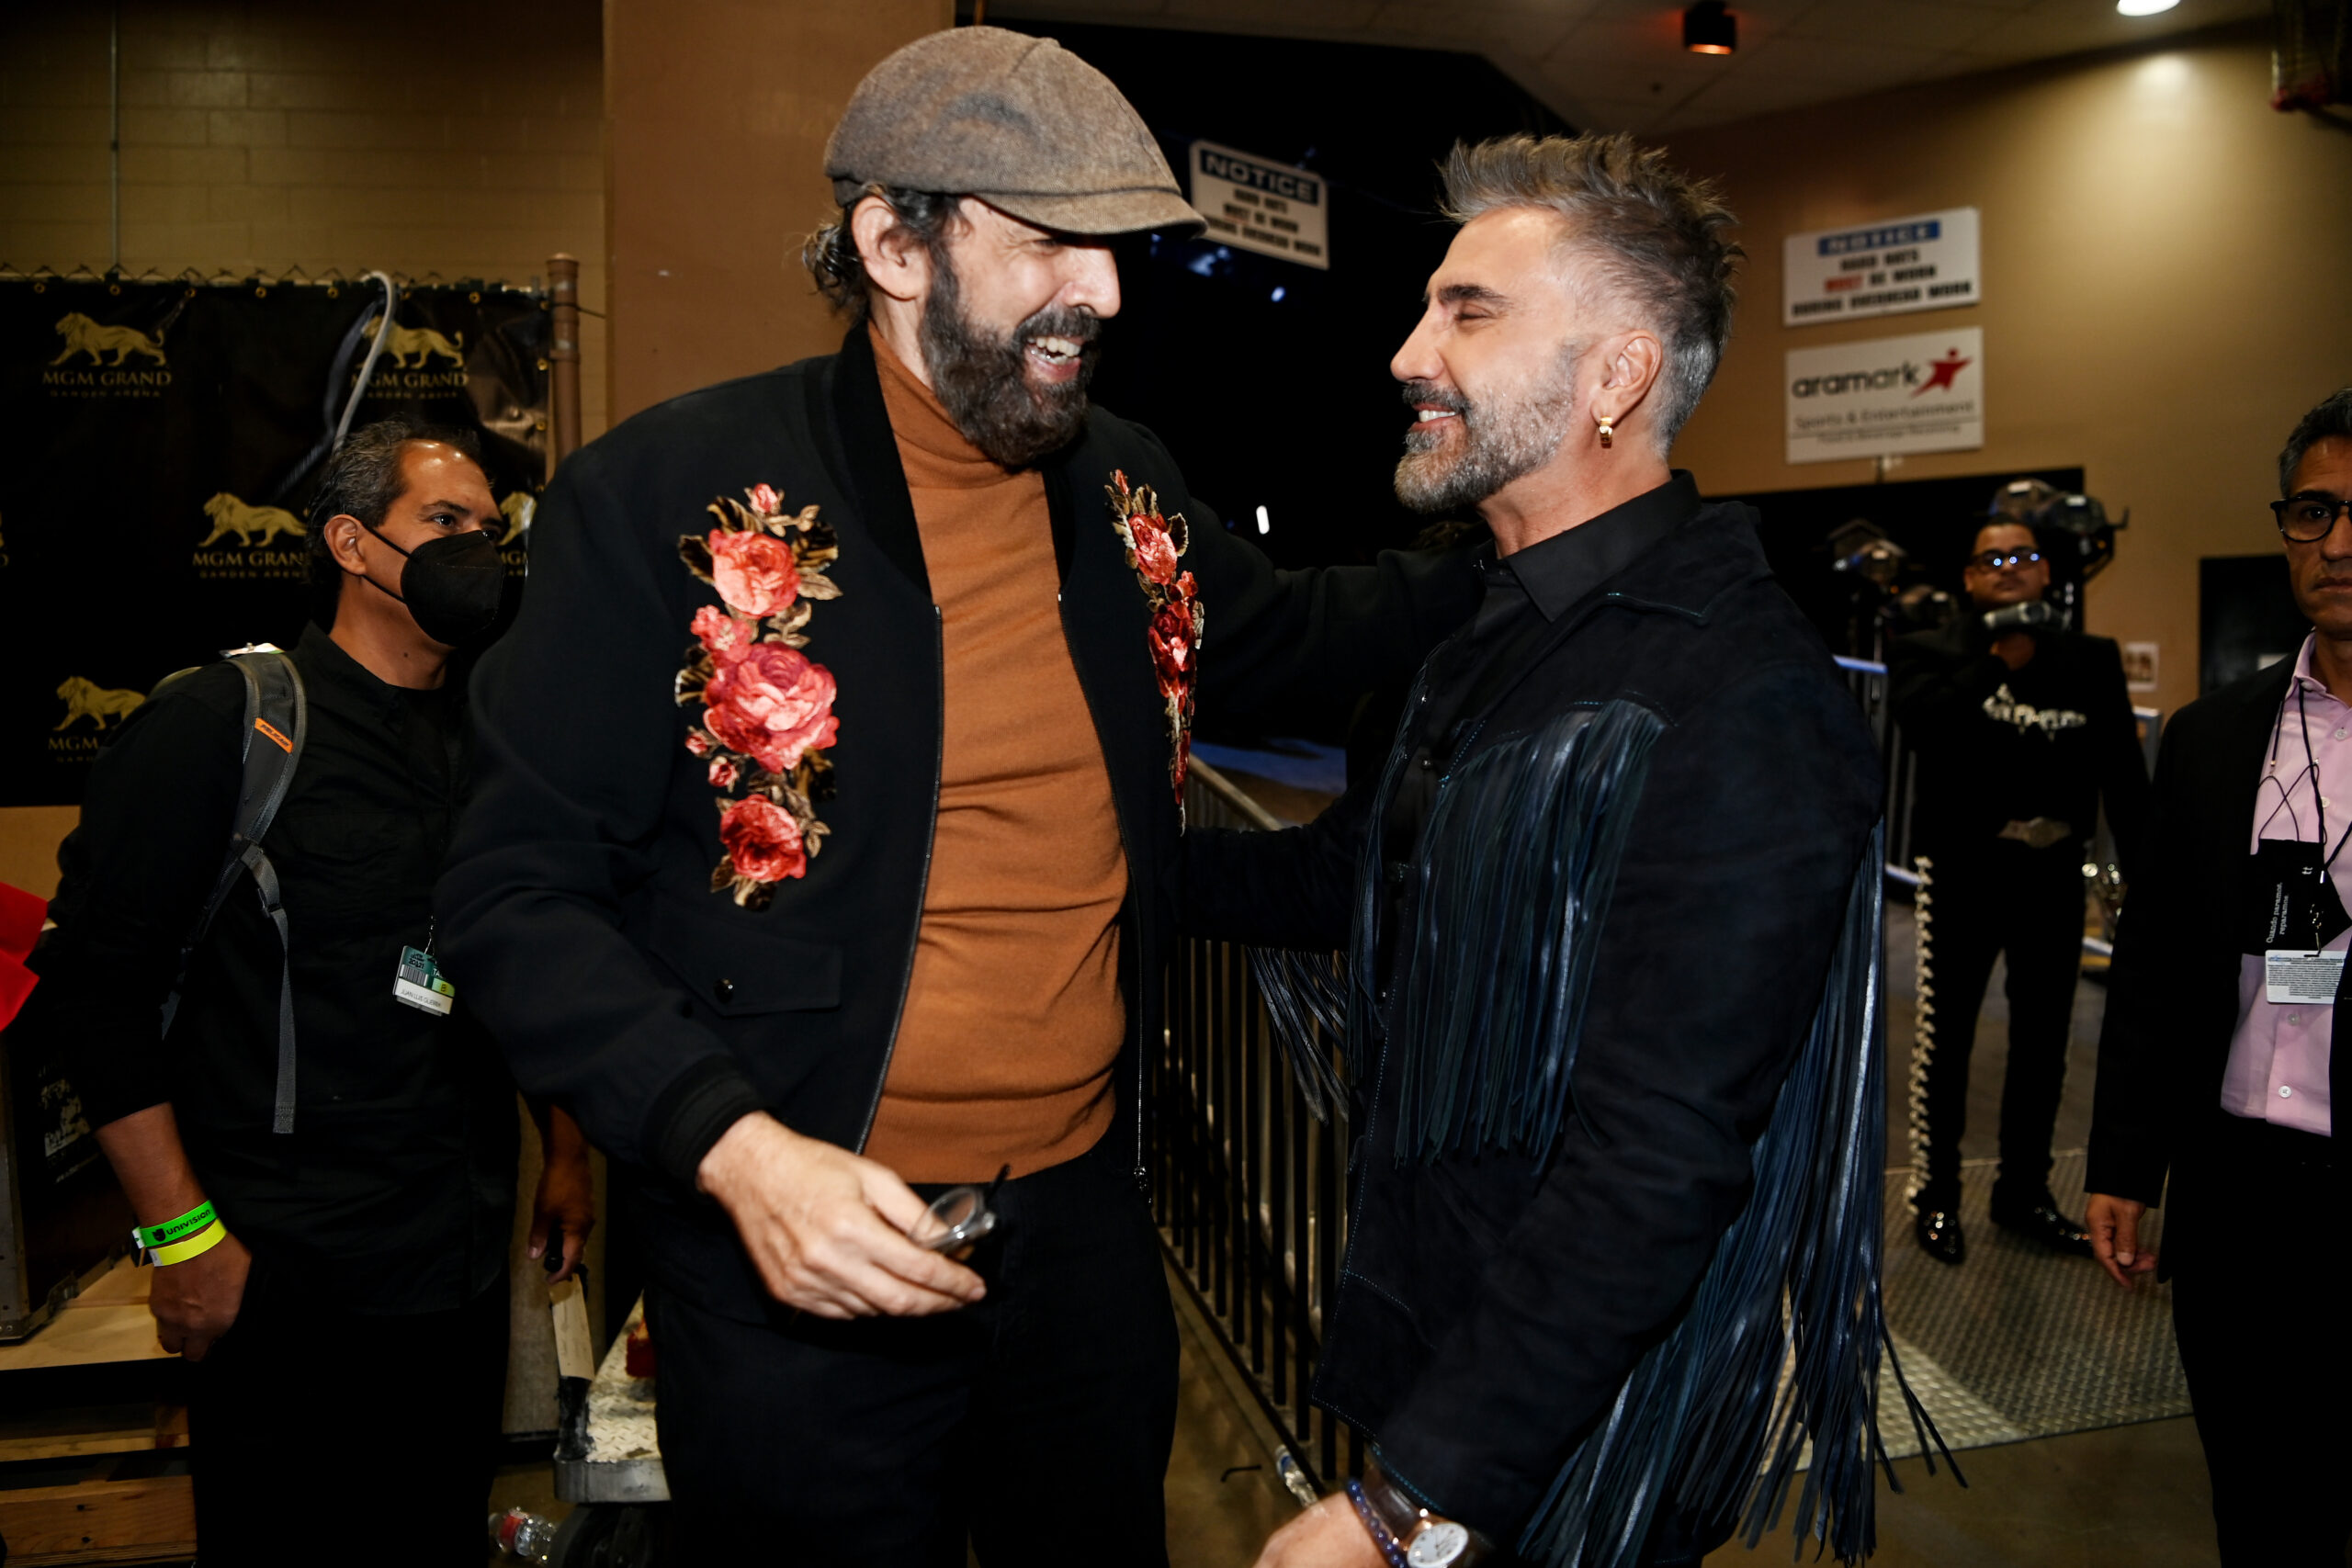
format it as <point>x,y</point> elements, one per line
<point>20,919</point>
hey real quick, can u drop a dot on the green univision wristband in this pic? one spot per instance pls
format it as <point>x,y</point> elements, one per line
<point>170,1231</point>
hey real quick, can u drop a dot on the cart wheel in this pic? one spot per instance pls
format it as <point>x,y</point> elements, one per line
<point>613,1535</point>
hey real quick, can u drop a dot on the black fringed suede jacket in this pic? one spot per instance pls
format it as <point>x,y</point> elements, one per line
<point>1493,1299</point>
<point>579,913</point>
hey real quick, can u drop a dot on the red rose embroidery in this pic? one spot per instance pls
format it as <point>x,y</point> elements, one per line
<point>763,840</point>
<point>1155,543</point>
<point>771,703</point>
<point>768,706</point>
<point>755,572</point>
<point>1155,552</point>
<point>1172,645</point>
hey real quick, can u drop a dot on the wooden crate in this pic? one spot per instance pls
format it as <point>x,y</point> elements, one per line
<point>117,1513</point>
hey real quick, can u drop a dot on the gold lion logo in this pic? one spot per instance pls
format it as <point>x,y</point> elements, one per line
<point>83,335</point>
<point>87,699</point>
<point>252,524</point>
<point>517,509</point>
<point>407,346</point>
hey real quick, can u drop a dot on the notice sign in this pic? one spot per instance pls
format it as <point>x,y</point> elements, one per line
<point>1890,394</point>
<point>1907,264</point>
<point>1254,205</point>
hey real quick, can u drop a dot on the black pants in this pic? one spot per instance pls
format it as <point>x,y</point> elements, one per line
<point>1038,1420</point>
<point>2258,1308</point>
<point>1998,898</point>
<point>387,1427</point>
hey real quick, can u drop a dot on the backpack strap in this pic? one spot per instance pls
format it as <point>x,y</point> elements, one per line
<point>277,713</point>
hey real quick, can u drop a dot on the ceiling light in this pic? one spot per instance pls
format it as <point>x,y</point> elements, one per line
<point>1708,28</point>
<point>2144,7</point>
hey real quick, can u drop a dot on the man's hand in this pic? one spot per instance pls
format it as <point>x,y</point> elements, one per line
<point>2114,1224</point>
<point>1328,1535</point>
<point>827,1228</point>
<point>566,1197</point>
<point>195,1301</point>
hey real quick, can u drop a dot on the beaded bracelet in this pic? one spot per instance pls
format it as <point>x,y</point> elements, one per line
<point>1391,1551</point>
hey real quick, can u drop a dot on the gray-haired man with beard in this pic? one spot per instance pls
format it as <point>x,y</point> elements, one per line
<point>822,858</point>
<point>1611,913</point>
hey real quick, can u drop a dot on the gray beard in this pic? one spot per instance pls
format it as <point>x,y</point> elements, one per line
<point>1505,437</point>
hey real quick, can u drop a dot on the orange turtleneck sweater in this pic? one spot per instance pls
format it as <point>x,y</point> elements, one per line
<point>1014,1015</point>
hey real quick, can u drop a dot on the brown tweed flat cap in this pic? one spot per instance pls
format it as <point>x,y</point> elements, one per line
<point>1018,121</point>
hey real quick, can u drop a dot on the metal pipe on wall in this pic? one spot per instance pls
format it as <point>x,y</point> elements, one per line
<point>563,394</point>
<point>114,138</point>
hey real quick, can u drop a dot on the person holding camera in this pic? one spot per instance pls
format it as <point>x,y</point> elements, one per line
<point>2022,727</point>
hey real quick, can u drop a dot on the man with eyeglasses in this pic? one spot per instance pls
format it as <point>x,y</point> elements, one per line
<point>2021,726</point>
<point>2217,1063</point>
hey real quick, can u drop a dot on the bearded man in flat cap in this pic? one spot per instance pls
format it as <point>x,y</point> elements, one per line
<point>822,853</point>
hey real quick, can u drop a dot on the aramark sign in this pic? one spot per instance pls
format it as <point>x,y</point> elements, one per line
<point>1254,204</point>
<point>1925,263</point>
<point>1889,394</point>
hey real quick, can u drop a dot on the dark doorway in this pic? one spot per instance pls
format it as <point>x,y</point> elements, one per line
<point>2246,618</point>
<point>1269,379</point>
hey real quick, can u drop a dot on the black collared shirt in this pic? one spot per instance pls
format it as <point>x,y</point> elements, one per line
<point>1526,593</point>
<point>396,1190</point>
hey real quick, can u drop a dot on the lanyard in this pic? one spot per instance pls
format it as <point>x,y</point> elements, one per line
<point>2310,766</point>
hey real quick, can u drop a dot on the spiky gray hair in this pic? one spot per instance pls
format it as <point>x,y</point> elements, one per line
<point>1657,234</point>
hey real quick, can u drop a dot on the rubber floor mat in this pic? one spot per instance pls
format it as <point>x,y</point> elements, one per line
<point>2020,1342</point>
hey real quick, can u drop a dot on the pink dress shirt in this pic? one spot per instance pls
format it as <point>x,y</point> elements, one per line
<point>2278,1057</point>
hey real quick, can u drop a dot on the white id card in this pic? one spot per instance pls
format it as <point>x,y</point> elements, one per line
<point>418,982</point>
<point>2290,975</point>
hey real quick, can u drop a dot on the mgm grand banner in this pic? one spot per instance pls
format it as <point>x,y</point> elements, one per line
<point>165,440</point>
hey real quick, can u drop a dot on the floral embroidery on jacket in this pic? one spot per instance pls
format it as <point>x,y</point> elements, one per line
<point>767,717</point>
<point>1154,544</point>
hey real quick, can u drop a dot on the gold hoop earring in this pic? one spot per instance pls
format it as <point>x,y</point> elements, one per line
<point>1608,430</point>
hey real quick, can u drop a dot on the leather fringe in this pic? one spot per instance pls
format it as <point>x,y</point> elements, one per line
<point>1779,1353</point>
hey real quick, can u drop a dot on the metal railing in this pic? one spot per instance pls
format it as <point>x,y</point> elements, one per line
<point>1249,1189</point>
<point>1250,1192</point>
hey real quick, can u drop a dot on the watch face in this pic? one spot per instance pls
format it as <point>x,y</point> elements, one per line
<point>1438,1543</point>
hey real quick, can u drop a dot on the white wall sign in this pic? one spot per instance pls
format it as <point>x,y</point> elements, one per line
<point>1889,394</point>
<point>1254,204</point>
<point>1925,263</point>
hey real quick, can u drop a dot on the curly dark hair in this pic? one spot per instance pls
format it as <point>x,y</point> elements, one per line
<point>363,479</point>
<point>830,253</point>
<point>1658,232</point>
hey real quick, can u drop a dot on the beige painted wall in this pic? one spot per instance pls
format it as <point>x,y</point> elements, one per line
<point>2165,293</point>
<point>718,115</point>
<point>445,138</point>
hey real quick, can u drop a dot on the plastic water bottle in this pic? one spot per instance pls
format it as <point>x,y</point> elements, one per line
<point>519,1533</point>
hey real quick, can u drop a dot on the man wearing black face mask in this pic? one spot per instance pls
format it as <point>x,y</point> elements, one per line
<point>374,1223</point>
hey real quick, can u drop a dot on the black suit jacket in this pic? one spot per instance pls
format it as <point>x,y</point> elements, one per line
<point>2172,1003</point>
<point>577,912</point>
<point>1491,1306</point>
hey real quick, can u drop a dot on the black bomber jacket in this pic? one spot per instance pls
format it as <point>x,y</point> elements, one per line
<point>578,910</point>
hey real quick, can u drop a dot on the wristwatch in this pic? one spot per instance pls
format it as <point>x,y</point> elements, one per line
<point>1409,1535</point>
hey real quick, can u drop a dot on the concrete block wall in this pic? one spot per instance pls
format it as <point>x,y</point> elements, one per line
<point>277,135</point>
